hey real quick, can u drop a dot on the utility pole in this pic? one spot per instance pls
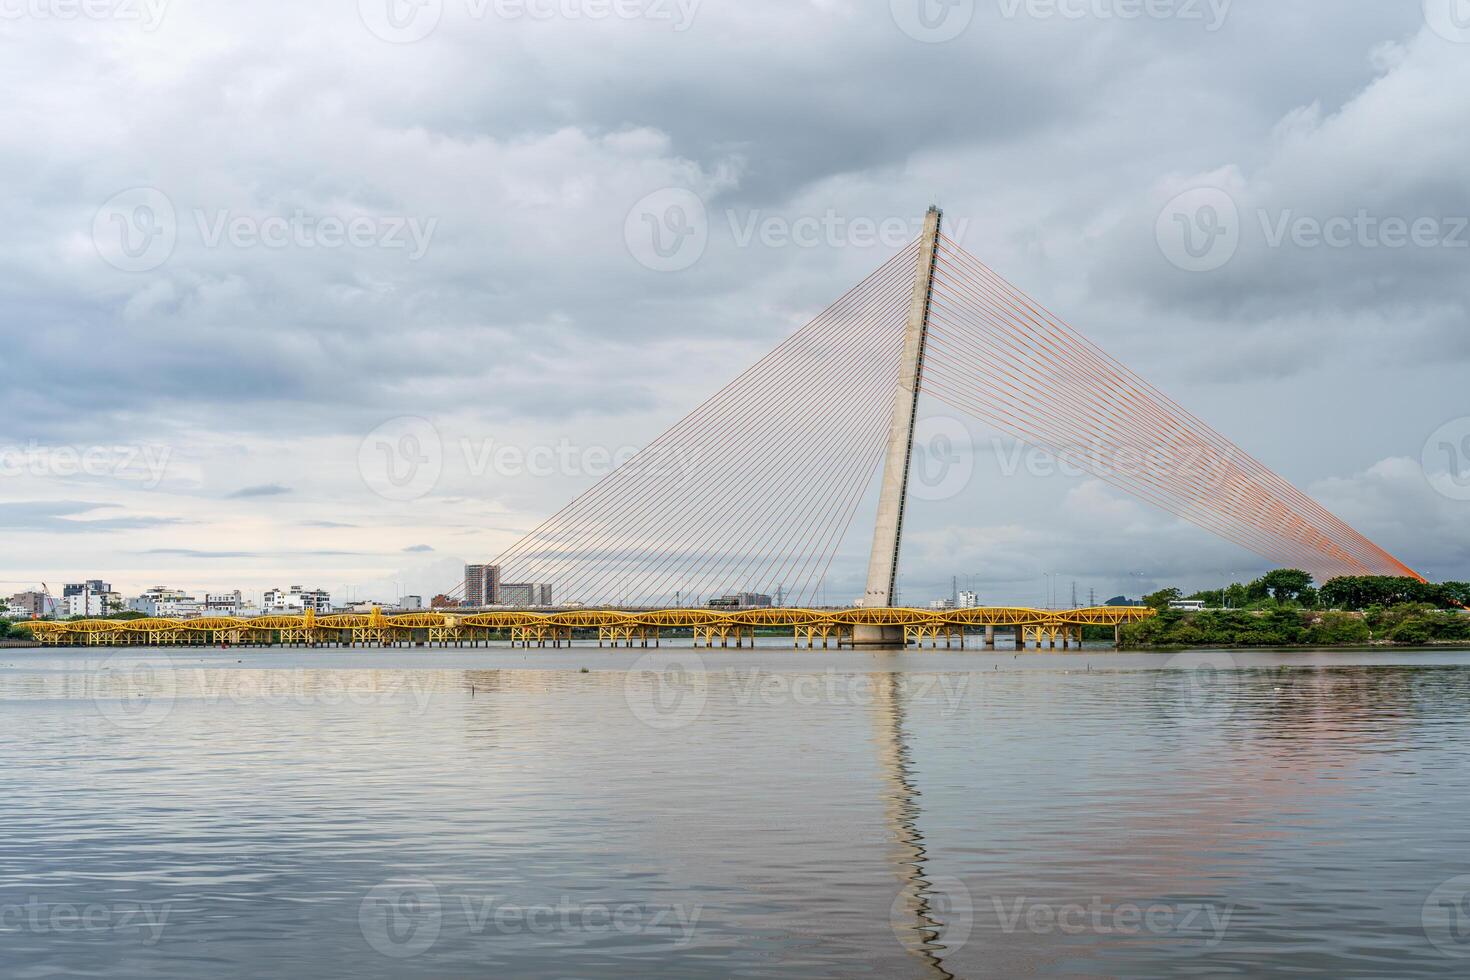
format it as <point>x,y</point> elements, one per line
<point>888,529</point>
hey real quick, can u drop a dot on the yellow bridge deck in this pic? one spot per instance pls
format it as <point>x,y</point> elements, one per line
<point>612,625</point>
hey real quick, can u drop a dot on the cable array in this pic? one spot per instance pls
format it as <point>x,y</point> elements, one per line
<point>996,354</point>
<point>754,490</point>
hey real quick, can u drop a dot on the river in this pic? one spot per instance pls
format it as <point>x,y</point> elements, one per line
<point>678,813</point>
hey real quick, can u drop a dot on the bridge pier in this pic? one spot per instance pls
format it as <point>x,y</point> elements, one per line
<point>990,637</point>
<point>864,635</point>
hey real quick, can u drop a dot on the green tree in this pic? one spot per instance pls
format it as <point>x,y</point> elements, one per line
<point>1161,599</point>
<point>1284,584</point>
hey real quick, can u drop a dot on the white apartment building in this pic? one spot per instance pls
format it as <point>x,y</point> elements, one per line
<point>296,600</point>
<point>163,602</point>
<point>223,603</point>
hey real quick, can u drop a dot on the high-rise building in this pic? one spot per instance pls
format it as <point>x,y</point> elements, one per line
<point>524,595</point>
<point>742,600</point>
<point>482,585</point>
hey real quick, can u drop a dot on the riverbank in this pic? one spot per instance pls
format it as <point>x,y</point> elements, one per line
<point>1405,626</point>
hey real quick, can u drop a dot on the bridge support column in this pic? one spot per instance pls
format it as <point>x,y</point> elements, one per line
<point>864,635</point>
<point>990,637</point>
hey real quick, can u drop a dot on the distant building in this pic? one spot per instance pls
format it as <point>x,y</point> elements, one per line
<point>32,604</point>
<point>741,600</point>
<point>93,597</point>
<point>163,602</point>
<point>524,594</point>
<point>223,603</point>
<point>442,601</point>
<point>411,603</point>
<point>942,604</point>
<point>482,585</point>
<point>969,600</point>
<point>297,600</point>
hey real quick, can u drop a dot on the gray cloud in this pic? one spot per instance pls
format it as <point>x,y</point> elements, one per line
<point>527,321</point>
<point>262,490</point>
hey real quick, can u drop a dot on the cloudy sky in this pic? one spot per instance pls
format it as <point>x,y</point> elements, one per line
<point>248,244</point>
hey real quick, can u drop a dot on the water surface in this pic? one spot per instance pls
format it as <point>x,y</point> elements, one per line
<point>583,812</point>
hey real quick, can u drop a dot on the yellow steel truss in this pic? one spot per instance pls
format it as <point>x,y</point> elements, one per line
<point>1057,627</point>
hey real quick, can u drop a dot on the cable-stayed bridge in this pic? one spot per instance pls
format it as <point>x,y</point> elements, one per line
<point>756,488</point>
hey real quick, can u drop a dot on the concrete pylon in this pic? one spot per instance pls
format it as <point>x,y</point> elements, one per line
<point>888,530</point>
